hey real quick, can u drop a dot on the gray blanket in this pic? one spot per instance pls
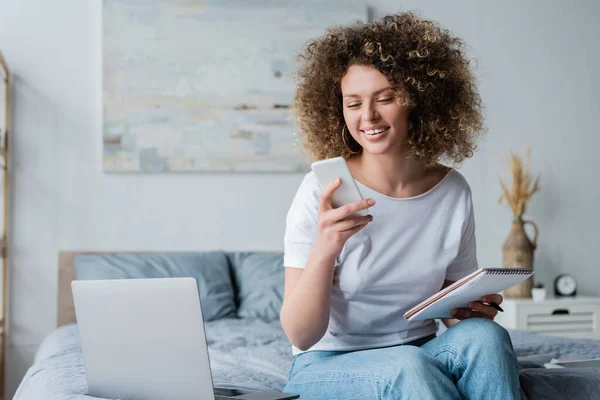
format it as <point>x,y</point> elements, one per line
<point>253,354</point>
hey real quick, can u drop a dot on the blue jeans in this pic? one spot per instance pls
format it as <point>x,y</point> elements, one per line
<point>473,359</point>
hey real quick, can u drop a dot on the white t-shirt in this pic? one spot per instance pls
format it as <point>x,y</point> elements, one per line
<point>398,260</point>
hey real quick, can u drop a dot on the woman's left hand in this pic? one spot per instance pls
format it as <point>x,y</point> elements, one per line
<point>479,309</point>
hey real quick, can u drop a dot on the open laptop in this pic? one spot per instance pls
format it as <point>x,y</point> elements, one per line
<point>145,339</point>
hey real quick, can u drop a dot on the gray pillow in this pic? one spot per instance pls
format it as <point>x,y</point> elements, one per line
<point>259,279</point>
<point>211,270</point>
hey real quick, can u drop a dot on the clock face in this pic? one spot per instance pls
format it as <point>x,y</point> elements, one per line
<point>566,285</point>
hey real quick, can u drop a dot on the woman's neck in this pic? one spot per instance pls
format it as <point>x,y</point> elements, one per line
<point>392,175</point>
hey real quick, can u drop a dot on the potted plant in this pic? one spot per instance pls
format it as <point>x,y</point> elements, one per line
<point>538,292</point>
<point>518,248</point>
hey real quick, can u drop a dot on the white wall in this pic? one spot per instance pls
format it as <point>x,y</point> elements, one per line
<point>537,61</point>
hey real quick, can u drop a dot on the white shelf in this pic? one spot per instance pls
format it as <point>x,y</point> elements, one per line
<point>577,317</point>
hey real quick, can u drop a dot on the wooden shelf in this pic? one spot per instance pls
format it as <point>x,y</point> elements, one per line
<point>5,109</point>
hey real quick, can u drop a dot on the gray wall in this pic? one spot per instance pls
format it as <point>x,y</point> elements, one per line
<point>537,64</point>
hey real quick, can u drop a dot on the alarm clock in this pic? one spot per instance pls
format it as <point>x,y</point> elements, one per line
<point>565,285</point>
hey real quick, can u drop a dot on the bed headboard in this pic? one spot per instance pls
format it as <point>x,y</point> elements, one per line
<point>66,274</point>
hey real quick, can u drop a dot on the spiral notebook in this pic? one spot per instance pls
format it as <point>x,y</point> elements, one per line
<point>470,288</point>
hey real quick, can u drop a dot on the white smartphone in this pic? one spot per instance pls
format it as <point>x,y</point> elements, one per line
<point>328,170</point>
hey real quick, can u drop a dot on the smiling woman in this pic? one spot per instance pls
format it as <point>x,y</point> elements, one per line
<point>373,113</point>
<point>424,65</point>
<point>396,99</point>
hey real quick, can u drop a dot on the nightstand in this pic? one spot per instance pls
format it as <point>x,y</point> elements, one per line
<point>576,317</point>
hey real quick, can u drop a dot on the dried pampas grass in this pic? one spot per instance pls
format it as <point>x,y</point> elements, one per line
<point>523,186</point>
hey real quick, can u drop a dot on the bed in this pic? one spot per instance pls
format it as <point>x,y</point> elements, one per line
<point>247,346</point>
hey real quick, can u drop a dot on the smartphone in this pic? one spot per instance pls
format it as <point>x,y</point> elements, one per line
<point>332,168</point>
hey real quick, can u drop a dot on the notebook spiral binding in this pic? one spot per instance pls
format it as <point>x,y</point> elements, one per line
<point>508,271</point>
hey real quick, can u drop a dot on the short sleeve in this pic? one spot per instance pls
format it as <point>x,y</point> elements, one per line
<point>301,223</point>
<point>466,259</point>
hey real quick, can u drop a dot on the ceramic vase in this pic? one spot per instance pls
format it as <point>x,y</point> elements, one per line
<point>517,252</point>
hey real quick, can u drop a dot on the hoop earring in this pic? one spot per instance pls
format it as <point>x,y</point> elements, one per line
<point>344,140</point>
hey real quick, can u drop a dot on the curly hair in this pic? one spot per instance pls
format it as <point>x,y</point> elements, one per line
<point>425,64</point>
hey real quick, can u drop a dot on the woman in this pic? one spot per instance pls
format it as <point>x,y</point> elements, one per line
<point>395,97</point>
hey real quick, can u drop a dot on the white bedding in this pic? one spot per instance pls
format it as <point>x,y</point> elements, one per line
<point>253,354</point>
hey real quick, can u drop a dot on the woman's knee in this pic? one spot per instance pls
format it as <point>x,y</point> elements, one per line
<point>482,332</point>
<point>419,375</point>
<point>484,326</point>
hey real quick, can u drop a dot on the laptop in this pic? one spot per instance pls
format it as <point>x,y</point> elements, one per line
<point>145,339</point>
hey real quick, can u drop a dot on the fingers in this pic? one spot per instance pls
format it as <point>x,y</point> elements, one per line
<point>355,229</point>
<point>350,223</point>
<point>465,313</point>
<point>325,199</point>
<point>479,309</point>
<point>343,211</point>
<point>475,310</point>
<point>336,225</point>
<point>349,209</point>
<point>489,311</point>
<point>492,298</point>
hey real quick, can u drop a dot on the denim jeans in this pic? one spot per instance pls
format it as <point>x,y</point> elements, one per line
<point>473,359</point>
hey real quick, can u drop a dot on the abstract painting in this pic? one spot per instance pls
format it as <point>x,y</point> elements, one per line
<point>207,85</point>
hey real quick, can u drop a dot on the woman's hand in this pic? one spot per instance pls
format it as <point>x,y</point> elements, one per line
<point>336,225</point>
<point>479,309</point>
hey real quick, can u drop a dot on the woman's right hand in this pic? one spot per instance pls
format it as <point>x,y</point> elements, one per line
<point>336,225</point>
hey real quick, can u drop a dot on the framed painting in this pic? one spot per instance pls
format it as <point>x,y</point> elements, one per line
<point>206,85</point>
